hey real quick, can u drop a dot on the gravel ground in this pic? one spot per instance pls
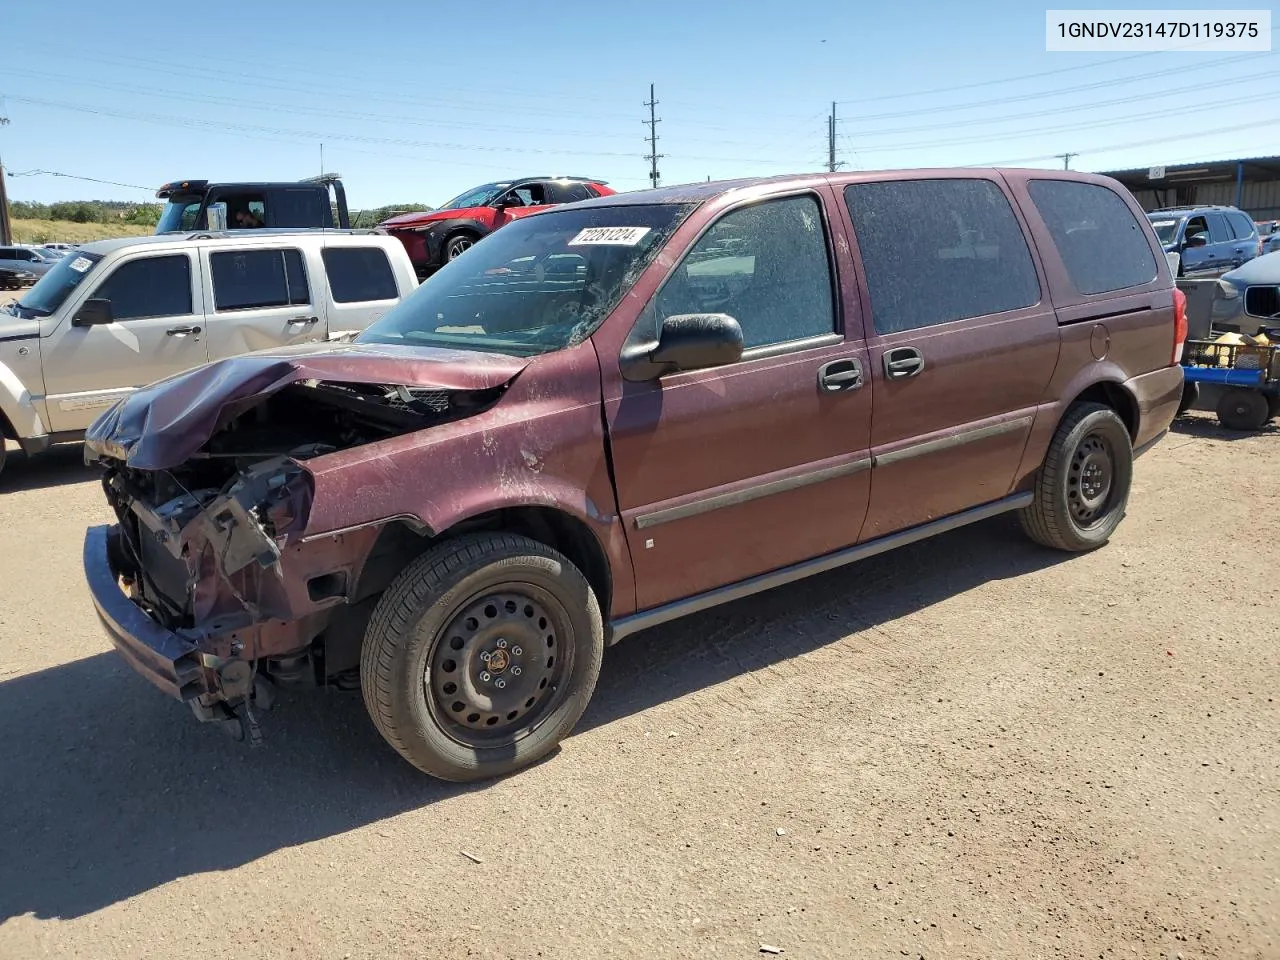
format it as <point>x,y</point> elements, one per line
<point>968,748</point>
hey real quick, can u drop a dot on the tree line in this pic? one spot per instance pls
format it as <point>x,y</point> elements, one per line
<point>87,211</point>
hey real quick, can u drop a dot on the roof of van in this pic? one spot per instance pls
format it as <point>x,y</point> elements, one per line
<point>238,237</point>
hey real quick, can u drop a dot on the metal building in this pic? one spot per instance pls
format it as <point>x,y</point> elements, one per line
<point>1252,184</point>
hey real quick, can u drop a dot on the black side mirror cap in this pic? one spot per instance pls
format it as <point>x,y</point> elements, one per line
<point>92,313</point>
<point>692,341</point>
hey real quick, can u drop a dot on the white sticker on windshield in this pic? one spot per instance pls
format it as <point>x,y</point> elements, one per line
<point>81,264</point>
<point>616,236</point>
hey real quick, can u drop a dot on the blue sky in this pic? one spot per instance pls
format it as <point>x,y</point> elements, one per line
<point>416,101</point>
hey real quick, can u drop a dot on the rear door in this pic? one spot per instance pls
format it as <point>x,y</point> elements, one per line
<point>962,343</point>
<point>158,330</point>
<point>259,297</point>
<point>362,285</point>
<point>1222,242</point>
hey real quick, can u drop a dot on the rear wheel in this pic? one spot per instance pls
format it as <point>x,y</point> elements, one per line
<point>4,452</point>
<point>481,656</point>
<point>1273,407</point>
<point>1243,410</point>
<point>1190,394</point>
<point>1082,487</point>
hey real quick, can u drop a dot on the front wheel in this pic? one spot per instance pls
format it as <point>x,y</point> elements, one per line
<point>1082,488</point>
<point>481,656</point>
<point>457,245</point>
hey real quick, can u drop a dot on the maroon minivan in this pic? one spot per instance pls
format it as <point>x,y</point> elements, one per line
<point>620,411</point>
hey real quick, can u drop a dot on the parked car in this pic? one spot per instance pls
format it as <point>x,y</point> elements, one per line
<point>62,247</point>
<point>1248,298</point>
<point>118,314</point>
<point>1210,240</point>
<point>435,237</point>
<point>25,258</point>
<point>315,203</point>
<point>11,279</point>
<point>1268,236</point>
<point>50,253</point>
<point>615,413</point>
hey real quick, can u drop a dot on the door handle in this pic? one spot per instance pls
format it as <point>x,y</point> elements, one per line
<point>902,362</point>
<point>838,375</point>
<point>298,321</point>
<point>181,331</point>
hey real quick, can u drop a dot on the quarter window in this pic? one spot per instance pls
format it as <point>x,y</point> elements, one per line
<point>151,287</point>
<point>359,274</point>
<point>255,279</point>
<point>935,251</point>
<point>767,266</point>
<point>1102,245</point>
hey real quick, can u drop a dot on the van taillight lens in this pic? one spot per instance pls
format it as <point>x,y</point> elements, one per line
<point>1179,323</point>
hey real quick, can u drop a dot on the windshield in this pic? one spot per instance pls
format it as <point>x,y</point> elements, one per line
<point>476,197</point>
<point>179,214</point>
<point>542,283</point>
<point>56,285</point>
<point>1166,230</point>
<point>50,254</point>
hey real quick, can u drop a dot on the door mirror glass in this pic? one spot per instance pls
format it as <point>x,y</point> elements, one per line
<point>692,341</point>
<point>217,214</point>
<point>1198,240</point>
<point>93,313</point>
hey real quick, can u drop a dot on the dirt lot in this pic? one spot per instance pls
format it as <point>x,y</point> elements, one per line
<point>970,748</point>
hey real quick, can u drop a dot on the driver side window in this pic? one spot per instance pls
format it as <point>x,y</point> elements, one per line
<point>1196,225</point>
<point>149,287</point>
<point>765,265</point>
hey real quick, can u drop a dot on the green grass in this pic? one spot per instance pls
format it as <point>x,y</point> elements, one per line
<point>64,231</point>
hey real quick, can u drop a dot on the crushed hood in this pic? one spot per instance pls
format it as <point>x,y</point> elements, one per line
<point>160,426</point>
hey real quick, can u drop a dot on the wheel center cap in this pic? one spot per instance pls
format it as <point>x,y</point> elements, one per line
<point>498,661</point>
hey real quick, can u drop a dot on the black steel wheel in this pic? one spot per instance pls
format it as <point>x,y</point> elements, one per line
<point>496,670</point>
<point>481,656</point>
<point>1082,487</point>
<point>1273,406</point>
<point>1240,409</point>
<point>1190,394</point>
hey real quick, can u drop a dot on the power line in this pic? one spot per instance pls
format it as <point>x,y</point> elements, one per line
<point>72,176</point>
<point>654,155</point>
<point>1020,78</point>
<point>1021,98</point>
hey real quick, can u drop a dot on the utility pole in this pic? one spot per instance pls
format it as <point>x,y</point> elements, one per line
<point>653,121</point>
<point>831,139</point>
<point>6,230</point>
<point>1066,159</point>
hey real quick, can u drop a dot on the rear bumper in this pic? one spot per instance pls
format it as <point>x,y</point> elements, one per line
<point>169,661</point>
<point>1158,394</point>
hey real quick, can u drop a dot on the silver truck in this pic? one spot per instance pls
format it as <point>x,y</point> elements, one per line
<point>116,315</point>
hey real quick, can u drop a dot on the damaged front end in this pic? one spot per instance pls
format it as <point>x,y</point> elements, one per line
<point>206,583</point>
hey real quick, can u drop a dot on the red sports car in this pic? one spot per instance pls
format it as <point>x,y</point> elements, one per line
<point>437,236</point>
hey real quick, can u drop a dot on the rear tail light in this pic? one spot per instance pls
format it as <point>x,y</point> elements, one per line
<point>1179,323</point>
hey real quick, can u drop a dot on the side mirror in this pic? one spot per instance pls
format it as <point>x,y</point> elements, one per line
<point>691,341</point>
<point>92,313</point>
<point>1199,240</point>
<point>508,200</point>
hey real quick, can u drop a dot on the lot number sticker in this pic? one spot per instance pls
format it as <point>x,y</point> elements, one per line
<point>81,264</point>
<point>614,236</point>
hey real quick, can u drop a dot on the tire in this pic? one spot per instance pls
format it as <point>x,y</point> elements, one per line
<point>4,453</point>
<point>452,612</point>
<point>456,245</point>
<point>1082,487</point>
<point>1243,410</point>
<point>1190,394</point>
<point>1273,407</point>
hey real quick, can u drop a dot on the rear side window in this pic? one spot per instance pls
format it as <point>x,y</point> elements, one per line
<point>300,207</point>
<point>254,279</point>
<point>152,287</point>
<point>1219,232</point>
<point>569,192</point>
<point>359,274</point>
<point>935,251</point>
<point>1241,225</point>
<point>1101,243</point>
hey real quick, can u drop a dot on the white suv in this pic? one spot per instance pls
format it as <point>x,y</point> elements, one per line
<point>115,315</point>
